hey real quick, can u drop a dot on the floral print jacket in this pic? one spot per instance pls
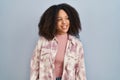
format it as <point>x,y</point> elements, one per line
<point>42,62</point>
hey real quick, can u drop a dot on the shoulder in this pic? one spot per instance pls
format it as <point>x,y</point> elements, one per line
<point>75,41</point>
<point>41,41</point>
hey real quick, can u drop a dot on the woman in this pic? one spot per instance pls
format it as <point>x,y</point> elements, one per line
<point>59,53</point>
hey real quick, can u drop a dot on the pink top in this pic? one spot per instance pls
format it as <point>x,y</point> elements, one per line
<point>62,41</point>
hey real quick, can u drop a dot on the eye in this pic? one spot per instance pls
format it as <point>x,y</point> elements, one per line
<point>67,18</point>
<point>59,19</point>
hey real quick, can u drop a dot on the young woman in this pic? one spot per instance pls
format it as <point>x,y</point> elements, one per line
<point>59,53</point>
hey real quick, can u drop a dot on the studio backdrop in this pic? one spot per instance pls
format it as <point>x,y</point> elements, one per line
<point>100,36</point>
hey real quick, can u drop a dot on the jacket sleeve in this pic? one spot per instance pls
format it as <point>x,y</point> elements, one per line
<point>80,68</point>
<point>34,65</point>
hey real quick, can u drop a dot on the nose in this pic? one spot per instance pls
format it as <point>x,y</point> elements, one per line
<point>63,21</point>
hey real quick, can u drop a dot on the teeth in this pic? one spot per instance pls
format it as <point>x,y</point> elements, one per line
<point>64,26</point>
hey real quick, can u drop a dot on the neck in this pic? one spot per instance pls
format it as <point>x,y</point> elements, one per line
<point>62,36</point>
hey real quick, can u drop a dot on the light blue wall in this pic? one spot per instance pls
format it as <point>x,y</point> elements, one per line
<point>100,36</point>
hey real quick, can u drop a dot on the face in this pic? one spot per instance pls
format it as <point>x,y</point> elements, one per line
<point>63,22</point>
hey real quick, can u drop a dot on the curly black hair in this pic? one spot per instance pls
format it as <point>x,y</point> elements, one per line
<point>47,24</point>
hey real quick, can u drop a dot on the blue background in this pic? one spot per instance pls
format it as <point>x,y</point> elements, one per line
<point>100,36</point>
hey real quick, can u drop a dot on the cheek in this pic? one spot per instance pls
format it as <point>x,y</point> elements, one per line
<point>58,24</point>
<point>68,22</point>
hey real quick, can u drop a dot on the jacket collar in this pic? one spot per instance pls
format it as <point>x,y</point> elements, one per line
<point>72,39</point>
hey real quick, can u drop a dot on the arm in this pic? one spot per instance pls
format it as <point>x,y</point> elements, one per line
<point>34,65</point>
<point>80,69</point>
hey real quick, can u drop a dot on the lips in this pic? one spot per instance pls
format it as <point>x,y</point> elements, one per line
<point>64,27</point>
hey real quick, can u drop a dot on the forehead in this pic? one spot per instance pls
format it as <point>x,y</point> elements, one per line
<point>61,12</point>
